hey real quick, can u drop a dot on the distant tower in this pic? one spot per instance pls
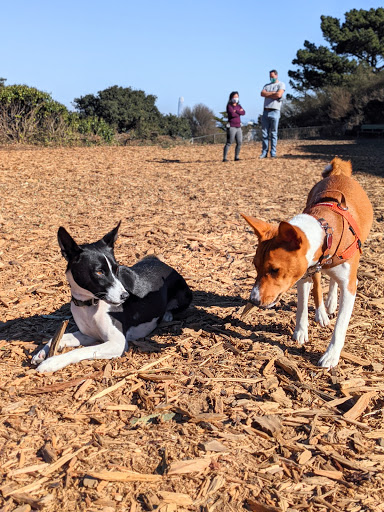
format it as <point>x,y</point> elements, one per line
<point>180,106</point>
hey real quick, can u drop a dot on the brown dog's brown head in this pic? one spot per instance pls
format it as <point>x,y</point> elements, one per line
<point>280,260</point>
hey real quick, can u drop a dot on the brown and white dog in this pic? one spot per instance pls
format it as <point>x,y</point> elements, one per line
<point>326,237</point>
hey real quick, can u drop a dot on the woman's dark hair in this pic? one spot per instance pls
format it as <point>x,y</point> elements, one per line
<point>232,95</point>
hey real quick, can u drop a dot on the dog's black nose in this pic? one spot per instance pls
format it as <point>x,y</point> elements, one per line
<point>124,296</point>
<point>255,296</point>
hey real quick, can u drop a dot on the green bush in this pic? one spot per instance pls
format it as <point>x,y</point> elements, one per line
<point>117,116</point>
<point>123,108</point>
<point>93,126</point>
<point>28,115</point>
<point>174,126</point>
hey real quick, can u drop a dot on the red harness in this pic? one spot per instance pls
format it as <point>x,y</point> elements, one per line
<point>355,245</point>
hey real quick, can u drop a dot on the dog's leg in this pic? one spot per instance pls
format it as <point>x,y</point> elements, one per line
<point>142,330</point>
<point>171,306</point>
<point>107,350</point>
<point>346,277</point>
<point>68,340</point>
<point>321,316</point>
<point>331,300</point>
<point>179,300</point>
<point>301,330</point>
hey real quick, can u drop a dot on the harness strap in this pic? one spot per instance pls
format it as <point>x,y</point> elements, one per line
<point>326,256</point>
<point>354,228</point>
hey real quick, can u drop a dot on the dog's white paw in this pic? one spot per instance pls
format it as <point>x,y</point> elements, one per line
<point>321,317</point>
<point>52,364</point>
<point>168,317</point>
<point>329,359</point>
<point>40,356</point>
<point>300,334</point>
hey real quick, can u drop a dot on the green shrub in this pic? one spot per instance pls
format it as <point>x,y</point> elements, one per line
<point>28,115</point>
<point>93,126</point>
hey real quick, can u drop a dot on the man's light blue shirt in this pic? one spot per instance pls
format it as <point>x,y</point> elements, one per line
<point>269,102</point>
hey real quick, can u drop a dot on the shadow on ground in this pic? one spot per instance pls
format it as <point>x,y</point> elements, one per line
<point>366,155</point>
<point>37,329</point>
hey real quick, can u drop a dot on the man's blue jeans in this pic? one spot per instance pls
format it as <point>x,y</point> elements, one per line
<point>269,126</point>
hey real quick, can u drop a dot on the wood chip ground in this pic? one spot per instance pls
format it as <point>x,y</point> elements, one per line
<point>212,412</point>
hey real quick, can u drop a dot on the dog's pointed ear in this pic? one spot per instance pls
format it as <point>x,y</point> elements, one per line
<point>291,235</point>
<point>111,237</point>
<point>68,246</point>
<point>263,229</point>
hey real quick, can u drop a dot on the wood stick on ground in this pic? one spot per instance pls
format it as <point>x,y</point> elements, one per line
<point>57,338</point>
<point>246,310</point>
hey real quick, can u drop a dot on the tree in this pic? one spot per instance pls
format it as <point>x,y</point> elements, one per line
<point>360,36</point>
<point>122,107</point>
<point>174,126</point>
<point>343,107</point>
<point>320,67</point>
<point>221,122</point>
<point>201,120</point>
<point>358,42</point>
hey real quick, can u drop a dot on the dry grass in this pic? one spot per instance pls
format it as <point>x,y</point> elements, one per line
<point>211,412</point>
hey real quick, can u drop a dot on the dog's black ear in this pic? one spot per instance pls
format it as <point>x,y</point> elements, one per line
<point>69,248</point>
<point>111,237</point>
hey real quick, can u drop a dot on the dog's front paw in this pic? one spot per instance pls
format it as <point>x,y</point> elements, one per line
<point>321,317</point>
<point>329,359</point>
<point>300,334</point>
<point>52,364</point>
<point>40,355</point>
<point>168,316</point>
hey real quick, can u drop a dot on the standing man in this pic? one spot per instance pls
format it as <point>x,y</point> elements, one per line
<point>272,94</point>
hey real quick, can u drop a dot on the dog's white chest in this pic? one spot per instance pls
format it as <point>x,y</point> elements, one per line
<point>94,321</point>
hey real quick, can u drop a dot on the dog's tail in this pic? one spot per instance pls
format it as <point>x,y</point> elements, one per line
<point>337,167</point>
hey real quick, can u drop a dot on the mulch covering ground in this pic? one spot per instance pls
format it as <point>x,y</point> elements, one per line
<point>212,412</point>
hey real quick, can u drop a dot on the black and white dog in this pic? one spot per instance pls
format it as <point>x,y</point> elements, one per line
<point>111,303</point>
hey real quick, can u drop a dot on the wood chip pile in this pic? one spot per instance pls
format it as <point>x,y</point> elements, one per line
<point>212,412</point>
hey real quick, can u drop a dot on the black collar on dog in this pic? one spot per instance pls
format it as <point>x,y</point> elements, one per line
<point>84,303</point>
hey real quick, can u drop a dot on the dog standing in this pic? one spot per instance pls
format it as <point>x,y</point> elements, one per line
<point>112,304</point>
<point>327,237</point>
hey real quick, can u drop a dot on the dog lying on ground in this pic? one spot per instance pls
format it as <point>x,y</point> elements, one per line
<point>327,237</point>
<point>112,304</point>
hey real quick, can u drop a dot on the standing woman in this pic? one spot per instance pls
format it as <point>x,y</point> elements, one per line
<point>234,111</point>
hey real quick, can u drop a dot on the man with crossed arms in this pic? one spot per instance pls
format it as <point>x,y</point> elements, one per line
<point>272,94</point>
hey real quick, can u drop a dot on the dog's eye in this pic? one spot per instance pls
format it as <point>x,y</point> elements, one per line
<point>274,271</point>
<point>100,272</point>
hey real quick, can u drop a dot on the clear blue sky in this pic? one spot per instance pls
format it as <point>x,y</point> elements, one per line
<point>201,50</point>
